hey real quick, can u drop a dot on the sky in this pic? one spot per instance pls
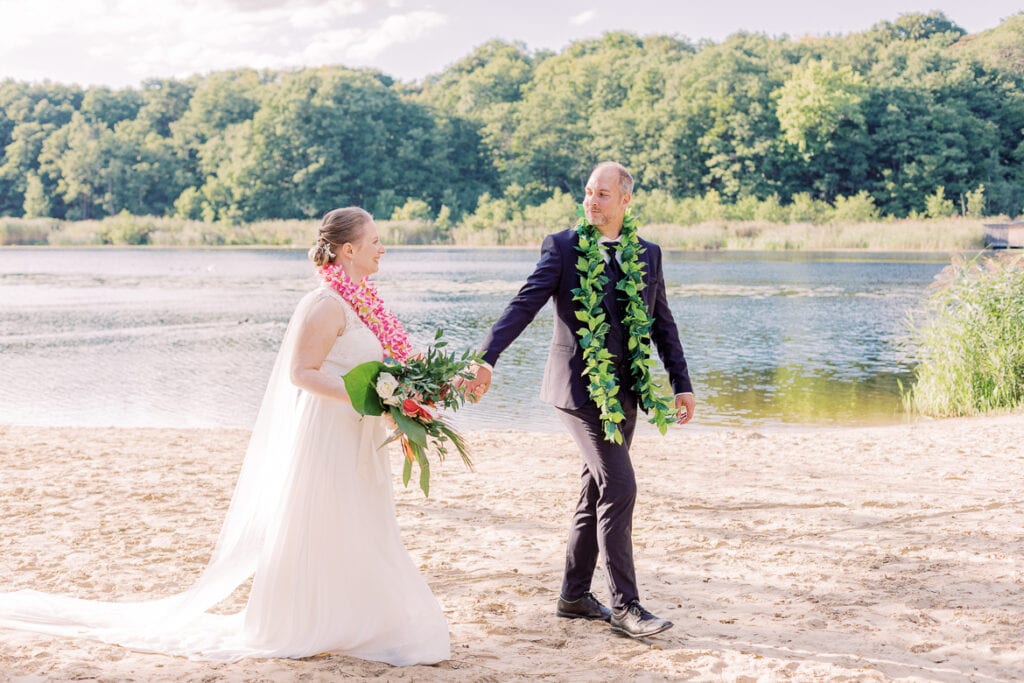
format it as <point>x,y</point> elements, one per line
<point>120,43</point>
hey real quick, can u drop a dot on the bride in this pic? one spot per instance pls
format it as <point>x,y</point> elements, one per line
<point>312,516</point>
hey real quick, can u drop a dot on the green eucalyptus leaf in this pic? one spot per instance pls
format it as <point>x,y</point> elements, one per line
<point>406,470</point>
<point>424,473</point>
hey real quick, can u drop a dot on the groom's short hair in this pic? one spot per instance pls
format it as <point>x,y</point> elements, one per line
<point>625,179</point>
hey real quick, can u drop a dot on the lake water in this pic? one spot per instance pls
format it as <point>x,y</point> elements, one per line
<point>154,337</point>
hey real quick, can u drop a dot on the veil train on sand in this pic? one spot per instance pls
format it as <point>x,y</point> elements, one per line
<point>180,624</point>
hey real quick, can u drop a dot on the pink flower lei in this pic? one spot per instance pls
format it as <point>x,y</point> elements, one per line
<point>366,302</point>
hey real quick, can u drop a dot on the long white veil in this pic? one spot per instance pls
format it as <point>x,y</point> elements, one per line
<point>180,624</point>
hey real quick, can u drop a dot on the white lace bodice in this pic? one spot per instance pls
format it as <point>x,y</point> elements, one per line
<point>356,345</point>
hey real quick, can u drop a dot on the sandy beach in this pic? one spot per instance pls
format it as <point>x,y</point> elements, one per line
<point>806,554</point>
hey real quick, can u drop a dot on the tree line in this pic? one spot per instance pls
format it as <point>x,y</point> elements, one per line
<point>913,117</point>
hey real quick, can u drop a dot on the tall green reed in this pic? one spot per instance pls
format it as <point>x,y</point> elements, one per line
<point>970,339</point>
<point>529,229</point>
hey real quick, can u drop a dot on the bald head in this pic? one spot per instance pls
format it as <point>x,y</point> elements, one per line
<point>624,178</point>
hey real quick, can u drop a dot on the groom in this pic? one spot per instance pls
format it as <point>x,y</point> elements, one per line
<point>603,520</point>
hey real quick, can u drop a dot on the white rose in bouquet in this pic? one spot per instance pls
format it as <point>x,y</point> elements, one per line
<point>387,389</point>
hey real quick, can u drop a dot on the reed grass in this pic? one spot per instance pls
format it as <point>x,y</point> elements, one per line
<point>969,339</point>
<point>946,234</point>
<point>411,232</point>
<point>26,230</point>
<point>505,234</point>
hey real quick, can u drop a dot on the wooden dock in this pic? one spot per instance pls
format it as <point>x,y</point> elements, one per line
<point>1004,235</point>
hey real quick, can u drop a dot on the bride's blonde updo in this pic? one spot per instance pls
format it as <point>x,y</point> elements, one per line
<point>338,227</point>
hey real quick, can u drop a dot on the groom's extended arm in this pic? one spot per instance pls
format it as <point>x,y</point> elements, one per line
<point>520,312</point>
<point>539,287</point>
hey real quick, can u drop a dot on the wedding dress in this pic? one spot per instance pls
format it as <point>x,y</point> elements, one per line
<point>311,520</point>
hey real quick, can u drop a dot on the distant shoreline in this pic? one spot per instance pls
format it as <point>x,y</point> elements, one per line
<point>910,235</point>
<point>939,254</point>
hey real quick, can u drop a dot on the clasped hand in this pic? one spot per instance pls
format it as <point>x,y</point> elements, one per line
<point>476,387</point>
<point>685,405</point>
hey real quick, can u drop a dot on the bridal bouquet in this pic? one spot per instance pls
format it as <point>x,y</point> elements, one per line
<point>414,393</point>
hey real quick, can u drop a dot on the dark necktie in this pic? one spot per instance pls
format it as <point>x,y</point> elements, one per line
<point>614,270</point>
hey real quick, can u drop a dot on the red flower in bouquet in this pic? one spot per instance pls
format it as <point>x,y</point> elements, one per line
<point>413,409</point>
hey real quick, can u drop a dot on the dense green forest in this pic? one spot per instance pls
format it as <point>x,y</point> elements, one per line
<point>913,117</point>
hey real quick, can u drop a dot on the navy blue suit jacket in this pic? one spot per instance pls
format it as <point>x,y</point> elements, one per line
<point>555,277</point>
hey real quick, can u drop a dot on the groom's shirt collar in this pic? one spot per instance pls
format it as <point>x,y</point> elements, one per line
<point>602,240</point>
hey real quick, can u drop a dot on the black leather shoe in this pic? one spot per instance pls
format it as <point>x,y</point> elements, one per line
<point>586,607</point>
<point>636,622</point>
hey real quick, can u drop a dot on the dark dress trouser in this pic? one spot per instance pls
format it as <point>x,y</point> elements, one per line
<point>603,522</point>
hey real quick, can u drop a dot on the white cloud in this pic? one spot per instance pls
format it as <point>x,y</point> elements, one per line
<point>340,6</point>
<point>583,18</point>
<point>180,38</point>
<point>364,44</point>
<point>397,29</point>
<point>28,23</point>
<point>183,37</point>
<point>316,16</point>
<point>329,47</point>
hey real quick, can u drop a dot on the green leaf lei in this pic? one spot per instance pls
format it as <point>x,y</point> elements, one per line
<point>603,387</point>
